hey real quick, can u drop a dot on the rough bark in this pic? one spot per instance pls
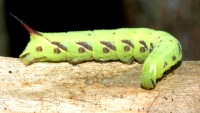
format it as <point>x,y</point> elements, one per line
<point>95,87</point>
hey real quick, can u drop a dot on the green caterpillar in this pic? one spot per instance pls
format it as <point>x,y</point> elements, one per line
<point>157,49</point>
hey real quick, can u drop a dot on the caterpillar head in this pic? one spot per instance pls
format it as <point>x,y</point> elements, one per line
<point>148,78</point>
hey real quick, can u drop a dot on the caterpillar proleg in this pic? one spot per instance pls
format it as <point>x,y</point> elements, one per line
<point>158,50</point>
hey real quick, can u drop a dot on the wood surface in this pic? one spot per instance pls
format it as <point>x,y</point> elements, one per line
<point>95,87</point>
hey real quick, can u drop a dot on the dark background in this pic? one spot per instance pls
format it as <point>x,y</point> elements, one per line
<point>181,18</point>
<point>59,16</point>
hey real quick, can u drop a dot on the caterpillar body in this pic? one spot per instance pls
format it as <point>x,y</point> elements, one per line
<point>157,49</point>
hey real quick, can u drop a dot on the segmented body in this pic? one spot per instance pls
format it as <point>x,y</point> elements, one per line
<point>157,49</point>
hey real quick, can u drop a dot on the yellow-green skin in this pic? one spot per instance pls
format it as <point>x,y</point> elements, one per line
<point>165,50</point>
<point>157,49</point>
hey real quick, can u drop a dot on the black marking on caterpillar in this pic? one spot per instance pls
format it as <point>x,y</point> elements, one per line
<point>56,50</point>
<point>165,64</point>
<point>24,55</point>
<point>109,45</point>
<point>59,45</point>
<point>152,82</point>
<point>106,50</point>
<point>89,34</point>
<point>128,42</point>
<point>179,47</point>
<point>126,48</point>
<point>81,50</point>
<point>144,48</point>
<point>39,49</point>
<point>85,45</point>
<point>151,47</point>
<point>174,58</point>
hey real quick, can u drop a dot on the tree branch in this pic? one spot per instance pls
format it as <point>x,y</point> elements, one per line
<point>95,87</point>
